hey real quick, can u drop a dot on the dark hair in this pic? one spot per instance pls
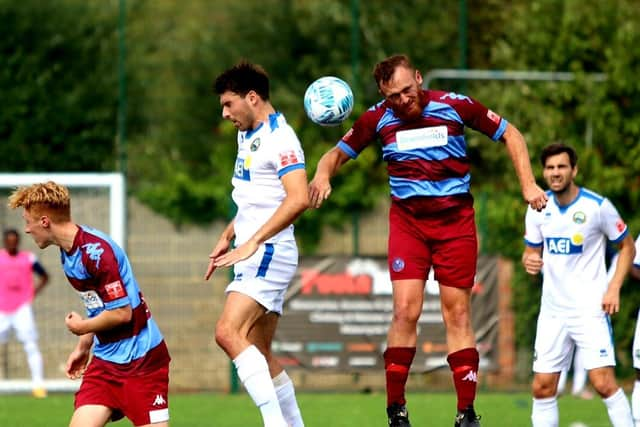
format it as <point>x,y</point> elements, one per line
<point>9,231</point>
<point>384,70</point>
<point>558,148</point>
<point>243,78</point>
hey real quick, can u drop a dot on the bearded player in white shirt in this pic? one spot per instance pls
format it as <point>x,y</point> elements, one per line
<point>566,242</point>
<point>270,191</point>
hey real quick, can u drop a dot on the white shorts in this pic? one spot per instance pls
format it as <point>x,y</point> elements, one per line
<point>22,321</point>
<point>266,275</point>
<point>636,344</point>
<point>557,335</point>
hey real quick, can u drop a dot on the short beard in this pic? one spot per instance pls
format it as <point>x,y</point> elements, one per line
<point>562,191</point>
<point>414,113</point>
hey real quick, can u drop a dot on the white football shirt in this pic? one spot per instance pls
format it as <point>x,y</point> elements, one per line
<point>265,154</point>
<point>574,239</point>
<point>636,260</point>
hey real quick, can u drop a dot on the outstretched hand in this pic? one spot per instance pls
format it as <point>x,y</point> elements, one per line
<point>319,191</point>
<point>240,253</point>
<point>221,247</point>
<point>535,197</point>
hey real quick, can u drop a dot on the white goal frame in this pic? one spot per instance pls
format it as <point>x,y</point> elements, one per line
<point>114,182</point>
<point>116,186</point>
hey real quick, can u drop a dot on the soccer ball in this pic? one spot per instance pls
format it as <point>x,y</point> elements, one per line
<point>328,101</point>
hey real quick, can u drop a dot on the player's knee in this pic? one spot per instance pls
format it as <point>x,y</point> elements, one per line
<point>604,385</point>
<point>456,317</point>
<point>542,389</point>
<point>224,334</point>
<point>404,315</point>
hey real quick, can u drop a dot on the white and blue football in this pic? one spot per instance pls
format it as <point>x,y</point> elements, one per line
<point>328,101</point>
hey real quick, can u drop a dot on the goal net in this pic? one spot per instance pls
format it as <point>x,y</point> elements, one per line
<point>98,200</point>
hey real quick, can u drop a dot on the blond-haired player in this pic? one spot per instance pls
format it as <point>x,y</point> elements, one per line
<point>128,374</point>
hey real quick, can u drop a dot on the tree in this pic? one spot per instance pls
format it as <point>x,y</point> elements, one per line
<point>58,85</point>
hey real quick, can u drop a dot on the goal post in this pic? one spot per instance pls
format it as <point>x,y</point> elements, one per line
<point>98,200</point>
<point>113,182</point>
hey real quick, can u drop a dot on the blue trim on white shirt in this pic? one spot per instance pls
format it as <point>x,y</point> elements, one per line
<point>250,132</point>
<point>273,121</point>
<point>532,244</point>
<point>622,236</point>
<point>282,172</point>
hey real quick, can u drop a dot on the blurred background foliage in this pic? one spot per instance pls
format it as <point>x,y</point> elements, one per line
<point>59,87</point>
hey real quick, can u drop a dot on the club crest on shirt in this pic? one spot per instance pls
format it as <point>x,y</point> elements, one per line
<point>255,144</point>
<point>397,265</point>
<point>579,217</point>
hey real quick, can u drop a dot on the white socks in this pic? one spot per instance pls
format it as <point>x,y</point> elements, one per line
<point>635,402</point>
<point>287,399</point>
<point>34,359</point>
<point>619,409</point>
<point>545,412</point>
<point>253,371</point>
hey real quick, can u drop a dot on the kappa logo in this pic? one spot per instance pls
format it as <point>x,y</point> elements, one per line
<point>471,376</point>
<point>94,251</point>
<point>159,400</point>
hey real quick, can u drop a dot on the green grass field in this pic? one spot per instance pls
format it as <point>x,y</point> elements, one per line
<point>319,409</point>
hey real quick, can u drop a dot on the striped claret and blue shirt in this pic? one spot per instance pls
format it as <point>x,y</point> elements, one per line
<point>99,270</point>
<point>426,158</point>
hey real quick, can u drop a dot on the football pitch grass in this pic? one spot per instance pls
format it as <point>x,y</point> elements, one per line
<point>319,409</point>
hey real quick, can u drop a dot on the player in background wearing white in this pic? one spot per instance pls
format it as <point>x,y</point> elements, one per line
<point>566,242</point>
<point>270,191</point>
<point>579,382</point>
<point>17,290</point>
<point>635,395</point>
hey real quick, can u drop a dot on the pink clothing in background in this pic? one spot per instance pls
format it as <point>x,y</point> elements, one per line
<point>16,280</point>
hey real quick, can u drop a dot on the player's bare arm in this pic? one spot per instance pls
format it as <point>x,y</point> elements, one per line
<point>79,357</point>
<point>532,260</point>
<point>517,148</point>
<point>106,320</point>
<point>328,166</point>
<point>224,242</point>
<point>626,254</point>
<point>294,204</point>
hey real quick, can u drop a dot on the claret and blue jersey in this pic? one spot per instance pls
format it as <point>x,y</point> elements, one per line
<point>425,157</point>
<point>99,270</point>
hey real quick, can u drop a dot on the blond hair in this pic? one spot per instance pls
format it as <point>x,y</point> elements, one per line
<point>43,198</point>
